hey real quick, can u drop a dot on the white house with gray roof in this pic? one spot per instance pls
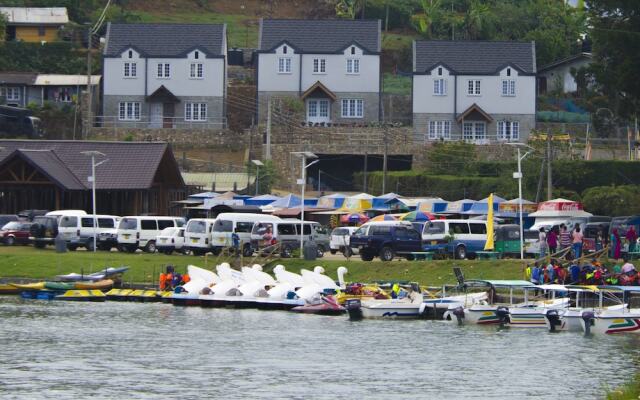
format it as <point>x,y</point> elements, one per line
<point>165,75</point>
<point>478,91</point>
<point>333,66</point>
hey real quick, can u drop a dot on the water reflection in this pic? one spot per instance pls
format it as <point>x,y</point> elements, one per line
<point>126,350</point>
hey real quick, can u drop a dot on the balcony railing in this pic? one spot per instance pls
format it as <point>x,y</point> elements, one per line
<point>144,122</point>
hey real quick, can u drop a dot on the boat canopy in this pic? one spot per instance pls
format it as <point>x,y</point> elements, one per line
<point>622,288</point>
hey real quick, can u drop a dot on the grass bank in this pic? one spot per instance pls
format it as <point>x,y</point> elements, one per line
<point>629,391</point>
<point>27,262</point>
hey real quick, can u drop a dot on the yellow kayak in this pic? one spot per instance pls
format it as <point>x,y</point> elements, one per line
<point>29,286</point>
<point>99,285</point>
<point>8,289</point>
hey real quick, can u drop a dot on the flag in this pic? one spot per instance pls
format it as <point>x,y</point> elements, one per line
<point>489,244</point>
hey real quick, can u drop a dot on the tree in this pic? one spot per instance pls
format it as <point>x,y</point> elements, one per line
<point>347,8</point>
<point>615,30</point>
<point>475,18</point>
<point>612,200</point>
<point>431,11</point>
<point>3,24</point>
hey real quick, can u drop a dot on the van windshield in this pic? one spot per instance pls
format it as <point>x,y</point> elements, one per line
<point>435,228</point>
<point>196,227</point>
<point>128,223</point>
<point>68,222</point>
<point>223,226</point>
<point>362,231</point>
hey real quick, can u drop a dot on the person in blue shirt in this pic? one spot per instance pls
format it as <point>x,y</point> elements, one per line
<point>574,270</point>
<point>535,274</point>
<point>235,241</point>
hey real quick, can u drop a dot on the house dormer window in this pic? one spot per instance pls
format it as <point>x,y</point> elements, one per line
<point>319,65</point>
<point>164,70</point>
<point>439,71</point>
<point>284,49</point>
<point>353,66</point>
<point>353,50</point>
<point>473,87</point>
<point>130,53</point>
<point>508,87</point>
<point>508,71</point>
<point>196,54</point>
<point>284,65</point>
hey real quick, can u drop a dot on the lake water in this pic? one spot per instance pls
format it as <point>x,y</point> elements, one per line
<point>126,350</point>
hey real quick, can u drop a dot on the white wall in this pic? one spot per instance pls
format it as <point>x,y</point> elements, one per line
<point>491,99</point>
<point>335,77</point>
<point>424,101</point>
<point>179,83</point>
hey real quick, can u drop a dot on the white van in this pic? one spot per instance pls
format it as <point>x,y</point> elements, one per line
<point>141,232</point>
<point>242,224</point>
<point>460,237</point>
<point>339,241</point>
<point>197,235</point>
<point>78,230</point>
<point>287,232</point>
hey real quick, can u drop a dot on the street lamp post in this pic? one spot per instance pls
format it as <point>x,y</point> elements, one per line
<point>304,155</point>
<point>518,176</point>
<point>92,179</point>
<point>258,164</point>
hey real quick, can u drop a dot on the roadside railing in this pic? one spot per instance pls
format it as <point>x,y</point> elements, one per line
<point>145,122</point>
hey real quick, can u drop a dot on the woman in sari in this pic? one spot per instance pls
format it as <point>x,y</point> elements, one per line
<point>616,246</point>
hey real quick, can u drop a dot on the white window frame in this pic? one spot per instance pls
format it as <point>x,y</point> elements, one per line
<point>439,129</point>
<point>195,112</point>
<point>508,131</point>
<point>163,71</point>
<point>130,70</point>
<point>508,87</point>
<point>352,108</point>
<point>13,93</point>
<point>353,66</point>
<point>473,87</point>
<point>439,87</point>
<point>474,134</point>
<point>319,65</point>
<point>129,111</point>
<point>196,70</point>
<point>284,65</point>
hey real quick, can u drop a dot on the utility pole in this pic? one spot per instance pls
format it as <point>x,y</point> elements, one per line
<point>384,159</point>
<point>549,171</point>
<point>88,124</point>
<point>540,178</point>
<point>366,156</point>
<point>267,155</point>
<point>386,16</point>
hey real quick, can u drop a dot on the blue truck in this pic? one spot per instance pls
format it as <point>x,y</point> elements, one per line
<point>386,240</point>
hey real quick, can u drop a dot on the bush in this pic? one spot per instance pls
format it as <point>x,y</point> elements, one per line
<point>612,200</point>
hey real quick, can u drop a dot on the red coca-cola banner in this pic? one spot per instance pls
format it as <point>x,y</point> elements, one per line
<point>560,206</point>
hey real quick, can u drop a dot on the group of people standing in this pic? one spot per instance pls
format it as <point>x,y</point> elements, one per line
<point>623,272</point>
<point>559,238</point>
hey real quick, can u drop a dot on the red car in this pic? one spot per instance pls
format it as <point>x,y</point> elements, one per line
<point>15,232</point>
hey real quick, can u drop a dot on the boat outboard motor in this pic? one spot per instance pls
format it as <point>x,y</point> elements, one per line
<point>459,313</point>
<point>354,308</point>
<point>554,319</point>
<point>589,318</point>
<point>503,315</point>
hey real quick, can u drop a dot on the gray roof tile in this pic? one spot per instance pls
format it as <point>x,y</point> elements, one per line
<point>474,57</point>
<point>320,35</point>
<point>165,40</point>
<point>131,165</point>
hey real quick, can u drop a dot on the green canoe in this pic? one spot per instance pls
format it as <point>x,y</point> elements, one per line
<point>59,286</point>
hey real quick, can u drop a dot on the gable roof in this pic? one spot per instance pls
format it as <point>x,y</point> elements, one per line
<point>323,36</point>
<point>165,40</point>
<point>35,15</point>
<point>130,165</point>
<point>474,57</point>
<point>567,60</point>
<point>18,78</point>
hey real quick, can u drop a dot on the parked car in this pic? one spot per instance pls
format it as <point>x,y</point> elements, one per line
<point>460,237</point>
<point>590,232</point>
<point>242,224</point>
<point>5,219</point>
<point>43,231</point>
<point>141,232</point>
<point>287,233</point>
<point>170,240</point>
<point>386,240</point>
<point>197,235</point>
<point>339,240</point>
<point>78,230</point>
<point>29,215</point>
<point>15,232</point>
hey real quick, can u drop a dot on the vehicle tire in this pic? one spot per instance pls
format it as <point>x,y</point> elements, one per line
<point>461,253</point>
<point>150,247</point>
<point>347,252</point>
<point>216,251</point>
<point>247,251</point>
<point>333,251</point>
<point>39,244</point>
<point>365,255</point>
<point>104,247</point>
<point>320,251</point>
<point>72,247</point>
<point>472,256</point>
<point>285,251</point>
<point>10,241</point>
<point>198,253</point>
<point>387,254</point>
<point>410,257</point>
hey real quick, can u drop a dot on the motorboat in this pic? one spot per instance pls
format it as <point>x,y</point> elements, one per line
<point>613,321</point>
<point>321,305</point>
<point>406,306</point>
<point>96,276</point>
<point>436,306</point>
